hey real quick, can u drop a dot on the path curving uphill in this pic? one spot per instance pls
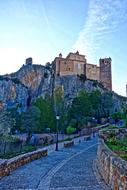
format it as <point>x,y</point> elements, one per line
<point>68,169</point>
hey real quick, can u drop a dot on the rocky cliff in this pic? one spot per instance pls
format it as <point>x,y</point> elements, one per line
<point>73,84</point>
<point>12,93</point>
<point>32,81</point>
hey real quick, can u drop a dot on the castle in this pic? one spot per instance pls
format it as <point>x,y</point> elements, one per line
<point>76,64</point>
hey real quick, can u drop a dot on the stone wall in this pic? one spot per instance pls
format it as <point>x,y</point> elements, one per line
<point>92,72</point>
<point>112,168</point>
<point>68,144</point>
<point>106,72</point>
<point>6,166</point>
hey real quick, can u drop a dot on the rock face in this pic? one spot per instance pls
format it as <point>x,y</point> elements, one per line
<point>31,76</point>
<point>32,81</point>
<point>72,84</point>
<point>20,87</point>
<point>12,94</point>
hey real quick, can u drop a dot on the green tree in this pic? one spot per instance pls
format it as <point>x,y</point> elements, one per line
<point>70,130</point>
<point>30,120</point>
<point>47,119</point>
<point>6,122</point>
<point>59,99</point>
<point>17,117</point>
<point>59,106</point>
<point>81,105</point>
<point>106,104</point>
<point>95,100</point>
<point>81,108</point>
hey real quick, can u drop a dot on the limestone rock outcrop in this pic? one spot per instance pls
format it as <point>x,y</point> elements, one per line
<point>32,81</point>
<point>12,93</point>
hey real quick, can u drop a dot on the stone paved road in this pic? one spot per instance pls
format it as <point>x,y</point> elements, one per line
<point>67,169</point>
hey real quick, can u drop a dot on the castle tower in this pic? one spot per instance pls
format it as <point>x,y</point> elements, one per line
<point>105,72</point>
<point>29,61</point>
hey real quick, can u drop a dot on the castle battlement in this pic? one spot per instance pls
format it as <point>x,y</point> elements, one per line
<point>76,64</point>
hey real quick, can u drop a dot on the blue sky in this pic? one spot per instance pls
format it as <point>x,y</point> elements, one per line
<point>44,28</point>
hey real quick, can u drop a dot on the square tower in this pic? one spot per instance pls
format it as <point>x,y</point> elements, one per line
<point>106,73</point>
<point>29,61</point>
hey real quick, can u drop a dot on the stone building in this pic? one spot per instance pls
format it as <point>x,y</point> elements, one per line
<point>76,64</point>
<point>72,64</point>
<point>29,61</point>
<point>105,72</point>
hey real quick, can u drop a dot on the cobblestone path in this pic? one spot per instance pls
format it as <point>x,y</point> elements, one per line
<point>68,169</point>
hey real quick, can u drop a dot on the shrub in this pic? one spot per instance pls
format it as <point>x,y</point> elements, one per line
<point>82,77</point>
<point>70,130</point>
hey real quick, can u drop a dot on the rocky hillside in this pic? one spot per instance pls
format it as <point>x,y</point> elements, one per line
<point>12,93</point>
<point>32,76</point>
<point>73,84</point>
<point>32,81</point>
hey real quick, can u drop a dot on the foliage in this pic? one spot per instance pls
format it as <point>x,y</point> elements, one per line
<point>59,106</point>
<point>25,149</point>
<point>89,105</point>
<point>48,66</point>
<point>6,122</point>
<point>124,113</point>
<point>95,101</point>
<point>47,116</point>
<point>17,118</point>
<point>117,115</point>
<point>111,127</point>
<point>73,122</point>
<point>106,104</point>
<point>118,145</point>
<point>30,120</point>
<point>82,77</point>
<point>112,139</point>
<point>59,99</point>
<point>9,138</point>
<point>70,130</point>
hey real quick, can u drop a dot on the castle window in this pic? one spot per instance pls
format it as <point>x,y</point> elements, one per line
<point>65,62</point>
<point>78,65</point>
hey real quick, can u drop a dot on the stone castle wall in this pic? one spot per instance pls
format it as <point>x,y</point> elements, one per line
<point>92,72</point>
<point>76,64</point>
<point>112,168</point>
<point>105,72</point>
<point>72,64</point>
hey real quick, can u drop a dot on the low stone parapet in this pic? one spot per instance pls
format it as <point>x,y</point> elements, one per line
<point>68,144</point>
<point>112,168</point>
<point>8,165</point>
<point>86,138</point>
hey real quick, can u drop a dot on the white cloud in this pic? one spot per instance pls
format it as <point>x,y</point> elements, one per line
<point>103,18</point>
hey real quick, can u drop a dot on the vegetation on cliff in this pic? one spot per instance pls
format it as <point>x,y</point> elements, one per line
<point>90,106</point>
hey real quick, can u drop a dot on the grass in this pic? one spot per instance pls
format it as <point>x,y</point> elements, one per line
<point>123,156</point>
<point>109,127</point>
<point>117,146</point>
<point>25,149</point>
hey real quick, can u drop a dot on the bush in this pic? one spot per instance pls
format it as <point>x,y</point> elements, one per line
<point>70,130</point>
<point>112,140</point>
<point>111,127</point>
<point>82,77</point>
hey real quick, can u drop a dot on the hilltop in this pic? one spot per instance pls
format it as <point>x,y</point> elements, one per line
<point>32,81</point>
